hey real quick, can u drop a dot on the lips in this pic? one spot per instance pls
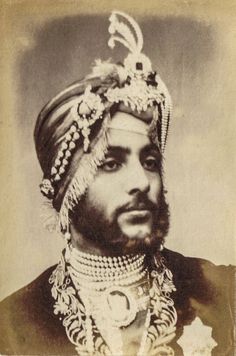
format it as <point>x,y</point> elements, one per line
<point>137,212</point>
<point>137,215</point>
<point>137,207</point>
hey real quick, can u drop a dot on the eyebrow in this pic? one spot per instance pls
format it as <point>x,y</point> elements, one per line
<point>151,148</point>
<point>122,150</point>
<point>114,150</point>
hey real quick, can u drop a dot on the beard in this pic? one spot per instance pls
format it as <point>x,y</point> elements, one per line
<point>89,221</point>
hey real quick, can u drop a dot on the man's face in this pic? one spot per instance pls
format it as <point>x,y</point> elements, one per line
<point>123,199</point>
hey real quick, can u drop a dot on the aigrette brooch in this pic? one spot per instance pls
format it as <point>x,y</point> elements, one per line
<point>140,90</point>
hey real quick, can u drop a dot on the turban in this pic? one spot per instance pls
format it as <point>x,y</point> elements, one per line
<point>71,130</point>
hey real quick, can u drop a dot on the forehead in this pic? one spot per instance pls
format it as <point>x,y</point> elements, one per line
<point>127,122</point>
<point>127,131</point>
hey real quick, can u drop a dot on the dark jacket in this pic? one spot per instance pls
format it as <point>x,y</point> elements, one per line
<point>28,325</point>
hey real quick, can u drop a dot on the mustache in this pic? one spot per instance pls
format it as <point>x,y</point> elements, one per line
<point>139,202</point>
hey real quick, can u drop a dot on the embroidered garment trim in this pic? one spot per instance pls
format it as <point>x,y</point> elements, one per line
<point>88,337</point>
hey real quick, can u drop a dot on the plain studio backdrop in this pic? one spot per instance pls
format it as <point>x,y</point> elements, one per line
<point>48,45</point>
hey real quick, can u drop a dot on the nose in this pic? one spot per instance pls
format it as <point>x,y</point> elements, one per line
<point>138,180</point>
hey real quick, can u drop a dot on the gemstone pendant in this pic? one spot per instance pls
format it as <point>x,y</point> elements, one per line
<point>120,307</point>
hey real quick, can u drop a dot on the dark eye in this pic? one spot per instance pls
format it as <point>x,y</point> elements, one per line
<point>110,165</point>
<point>151,164</point>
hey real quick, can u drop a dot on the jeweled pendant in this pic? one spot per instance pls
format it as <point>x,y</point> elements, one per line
<point>120,306</point>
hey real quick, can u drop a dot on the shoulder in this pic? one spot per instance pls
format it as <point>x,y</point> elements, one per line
<point>199,274</point>
<point>22,299</point>
<point>204,290</point>
<point>27,319</point>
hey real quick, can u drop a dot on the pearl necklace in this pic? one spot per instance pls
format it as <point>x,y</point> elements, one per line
<point>103,265</point>
<point>100,273</point>
<point>98,325</point>
<point>107,282</point>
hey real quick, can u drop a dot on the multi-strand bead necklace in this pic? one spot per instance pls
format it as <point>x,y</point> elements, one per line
<point>114,287</point>
<point>111,291</point>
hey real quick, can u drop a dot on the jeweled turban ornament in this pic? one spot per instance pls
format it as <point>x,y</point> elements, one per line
<point>71,131</point>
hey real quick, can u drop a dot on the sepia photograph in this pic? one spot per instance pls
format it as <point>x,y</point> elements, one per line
<point>117,149</point>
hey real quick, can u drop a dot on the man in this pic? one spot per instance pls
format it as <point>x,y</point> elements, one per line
<point>116,290</point>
